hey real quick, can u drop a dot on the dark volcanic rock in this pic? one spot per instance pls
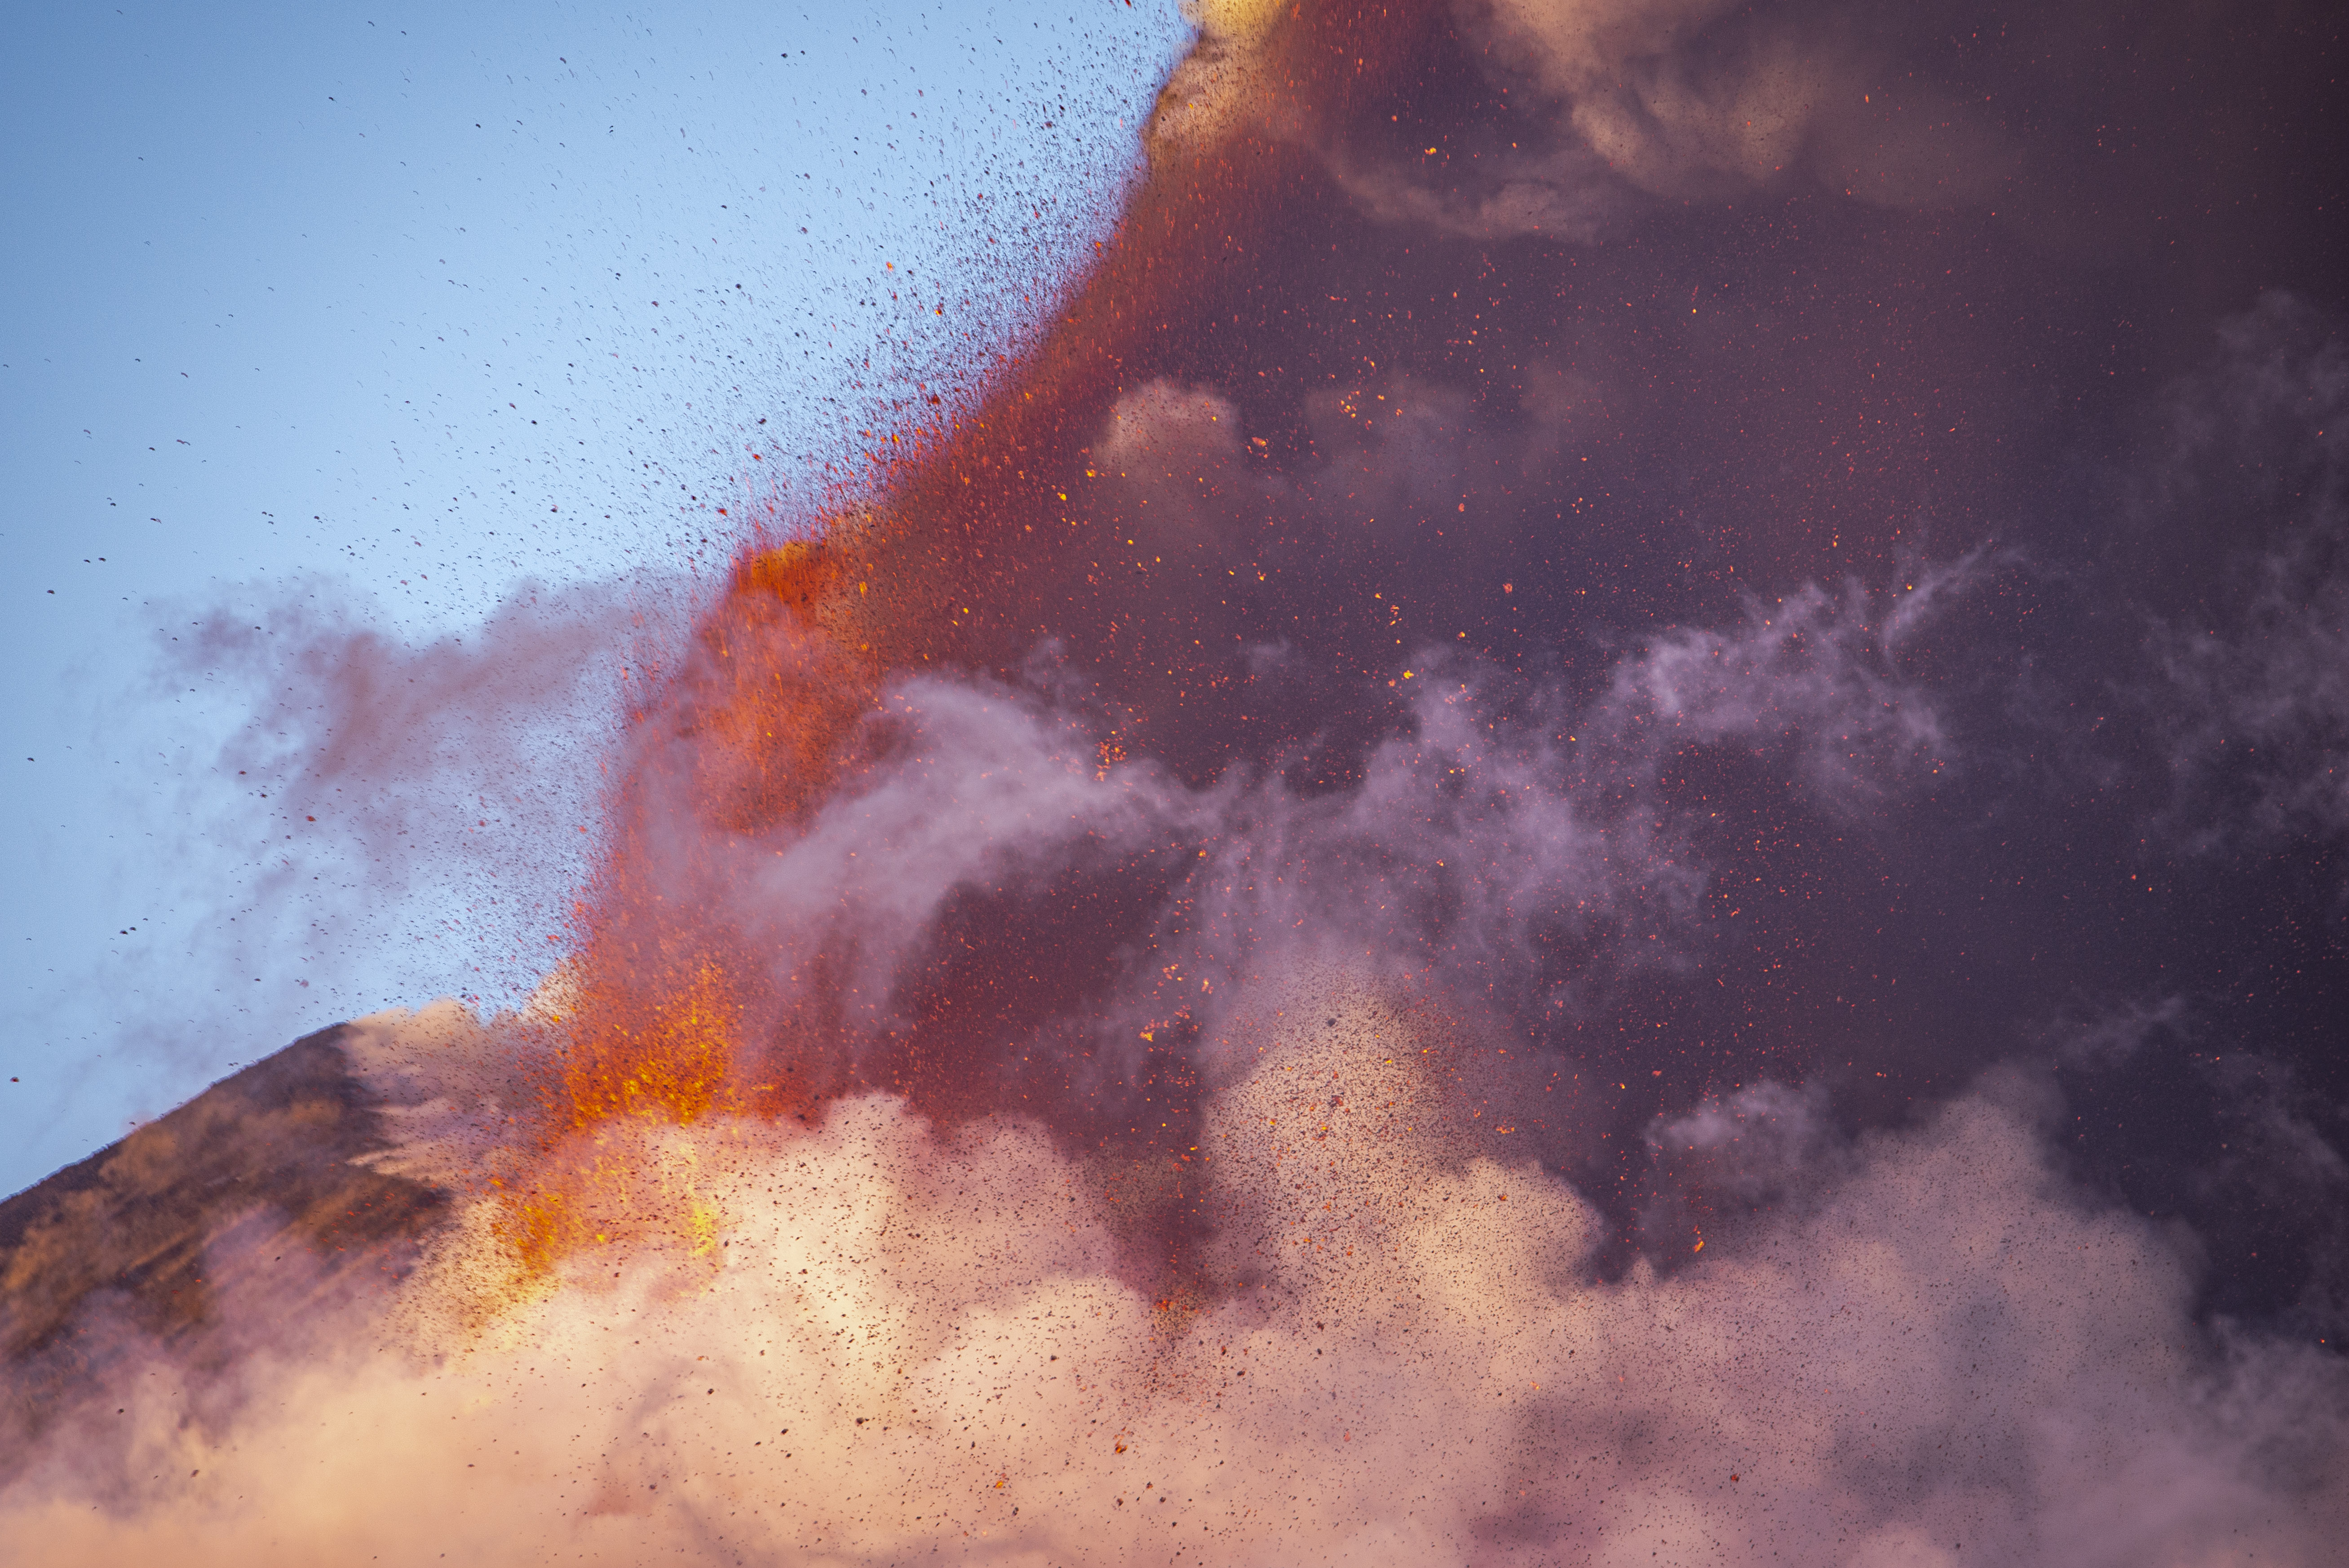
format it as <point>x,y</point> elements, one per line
<point>252,1190</point>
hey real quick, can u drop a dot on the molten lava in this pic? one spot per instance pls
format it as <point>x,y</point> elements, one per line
<point>672,1012</point>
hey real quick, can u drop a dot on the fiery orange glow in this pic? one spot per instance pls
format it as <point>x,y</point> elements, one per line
<point>673,1065</point>
<point>671,1019</point>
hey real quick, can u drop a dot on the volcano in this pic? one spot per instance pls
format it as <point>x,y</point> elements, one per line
<point>1598,819</point>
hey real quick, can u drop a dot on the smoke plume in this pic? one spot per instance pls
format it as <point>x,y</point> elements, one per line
<point>1534,852</point>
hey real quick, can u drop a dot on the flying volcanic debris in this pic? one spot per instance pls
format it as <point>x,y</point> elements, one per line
<point>1599,820</point>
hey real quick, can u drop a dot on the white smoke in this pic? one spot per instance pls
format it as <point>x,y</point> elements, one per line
<point>889,1341</point>
<point>876,1337</point>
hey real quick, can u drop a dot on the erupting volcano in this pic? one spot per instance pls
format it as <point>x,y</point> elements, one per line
<point>1596,819</point>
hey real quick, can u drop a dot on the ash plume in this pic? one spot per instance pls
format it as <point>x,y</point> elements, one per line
<point>1531,852</point>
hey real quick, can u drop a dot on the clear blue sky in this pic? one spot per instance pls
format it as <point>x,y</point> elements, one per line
<point>308,304</point>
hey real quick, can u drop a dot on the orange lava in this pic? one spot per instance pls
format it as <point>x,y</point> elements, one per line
<point>672,1016</point>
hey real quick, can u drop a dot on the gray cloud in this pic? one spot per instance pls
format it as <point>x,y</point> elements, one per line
<point>2252,705</point>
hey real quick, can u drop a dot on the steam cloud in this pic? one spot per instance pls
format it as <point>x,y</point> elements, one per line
<point>891,1342</point>
<point>887,1336</point>
<point>1579,1093</point>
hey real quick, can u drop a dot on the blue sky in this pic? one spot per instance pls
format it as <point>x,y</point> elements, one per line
<point>392,312</point>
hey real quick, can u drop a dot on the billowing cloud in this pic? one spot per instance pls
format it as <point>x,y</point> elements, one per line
<point>885,1339</point>
<point>1623,101</point>
<point>1689,97</point>
<point>2254,709</point>
<point>377,785</point>
<point>1473,880</point>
